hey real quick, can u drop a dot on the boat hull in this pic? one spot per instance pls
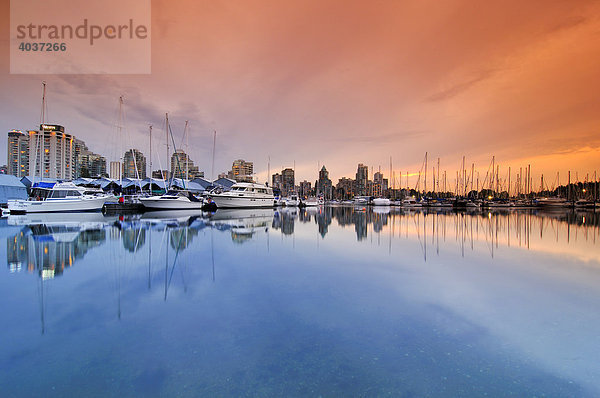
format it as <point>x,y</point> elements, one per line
<point>161,203</point>
<point>236,202</point>
<point>57,205</point>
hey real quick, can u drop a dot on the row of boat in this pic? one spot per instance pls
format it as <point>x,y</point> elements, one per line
<point>67,197</point>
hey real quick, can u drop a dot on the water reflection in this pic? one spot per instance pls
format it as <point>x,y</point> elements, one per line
<point>399,302</point>
<point>47,244</point>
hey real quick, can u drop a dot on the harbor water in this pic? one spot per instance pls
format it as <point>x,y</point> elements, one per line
<point>315,302</point>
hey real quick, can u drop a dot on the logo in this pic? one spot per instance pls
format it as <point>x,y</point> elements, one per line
<point>74,37</point>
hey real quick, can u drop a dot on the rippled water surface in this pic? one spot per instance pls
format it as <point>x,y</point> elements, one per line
<point>338,301</point>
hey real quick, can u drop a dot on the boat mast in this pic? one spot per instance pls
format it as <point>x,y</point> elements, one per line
<point>150,159</point>
<point>212,171</point>
<point>425,183</point>
<point>167,132</point>
<point>119,130</point>
<point>187,154</point>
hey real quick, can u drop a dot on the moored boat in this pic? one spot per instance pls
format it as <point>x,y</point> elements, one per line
<point>172,200</point>
<point>245,195</point>
<point>50,197</point>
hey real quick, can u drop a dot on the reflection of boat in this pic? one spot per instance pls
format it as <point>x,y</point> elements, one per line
<point>172,200</point>
<point>242,222</point>
<point>381,209</point>
<point>85,220</point>
<point>47,197</point>
<point>245,195</point>
<point>171,217</point>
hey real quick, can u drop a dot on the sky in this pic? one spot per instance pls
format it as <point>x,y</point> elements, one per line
<point>338,83</point>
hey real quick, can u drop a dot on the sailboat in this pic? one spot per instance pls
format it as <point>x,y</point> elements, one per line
<point>172,199</point>
<point>47,197</point>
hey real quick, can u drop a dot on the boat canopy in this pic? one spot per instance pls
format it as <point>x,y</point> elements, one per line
<point>43,184</point>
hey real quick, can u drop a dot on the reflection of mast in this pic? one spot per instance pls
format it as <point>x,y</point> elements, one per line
<point>150,258</point>
<point>212,254</point>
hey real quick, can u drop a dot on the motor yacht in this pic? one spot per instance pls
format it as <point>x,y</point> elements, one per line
<point>49,197</point>
<point>381,202</point>
<point>244,195</point>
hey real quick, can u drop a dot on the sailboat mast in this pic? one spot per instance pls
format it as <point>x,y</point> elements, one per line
<point>167,132</point>
<point>187,154</point>
<point>425,190</point>
<point>150,158</point>
<point>212,172</point>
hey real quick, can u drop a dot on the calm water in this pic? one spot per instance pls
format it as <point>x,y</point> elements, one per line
<point>331,302</point>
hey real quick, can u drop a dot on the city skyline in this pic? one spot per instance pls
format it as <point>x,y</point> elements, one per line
<point>513,80</point>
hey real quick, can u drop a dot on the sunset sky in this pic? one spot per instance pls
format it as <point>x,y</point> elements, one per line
<point>345,82</point>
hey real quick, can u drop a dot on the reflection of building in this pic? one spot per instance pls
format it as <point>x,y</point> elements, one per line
<point>134,164</point>
<point>18,153</point>
<point>48,250</point>
<point>133,238</point>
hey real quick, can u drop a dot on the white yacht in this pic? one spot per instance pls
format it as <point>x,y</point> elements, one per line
<point>172,200</point>
<point>411,202</point>
<point>313,202</point>
<point>291,201</point>
<point>361,200</point>
<point>49,197</point>
<point>381,202</point>
<point>245,195</point>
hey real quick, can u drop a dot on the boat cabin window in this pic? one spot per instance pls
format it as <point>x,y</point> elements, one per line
<point>58,194</point>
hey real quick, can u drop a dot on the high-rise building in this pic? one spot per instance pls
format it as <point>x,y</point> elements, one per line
<point>241,171</point>
<point>18,153</point>
<point>345,188</point>
<point>277,181</point>
<point>288,182</point>
<point>115,170</point>
<point>378,184</point>
<point>305,188</point>
<point>324,186</point>
<point>51,152</point>
<point>183,167</point>
<point>361,182</point>
<point>134,164</point>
